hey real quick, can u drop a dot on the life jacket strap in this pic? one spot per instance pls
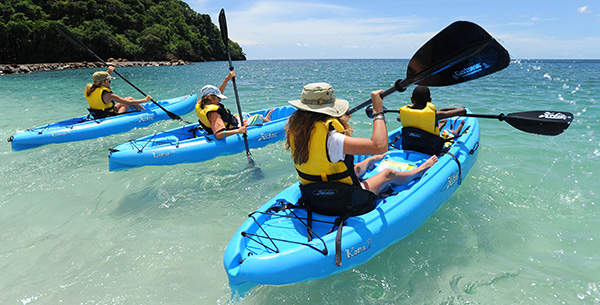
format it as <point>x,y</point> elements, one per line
<point>323,177</point>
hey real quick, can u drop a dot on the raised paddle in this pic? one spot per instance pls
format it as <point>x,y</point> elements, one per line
<point>76,41</point>
<point>544,122</point>
<point>223,27</point>
<point>461,52</point>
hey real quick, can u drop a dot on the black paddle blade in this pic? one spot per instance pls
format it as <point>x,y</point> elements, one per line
<point>223,27</point>
<point>548,123</point>
<point>69,36</point>
<point>466,52</point>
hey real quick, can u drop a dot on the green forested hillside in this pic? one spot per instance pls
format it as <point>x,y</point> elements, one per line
<point>131,29</point>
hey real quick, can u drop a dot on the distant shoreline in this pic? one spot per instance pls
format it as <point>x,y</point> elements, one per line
<point>31,68</point>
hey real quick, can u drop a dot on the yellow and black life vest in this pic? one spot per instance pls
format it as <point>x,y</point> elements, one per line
<point>319,168</point>
<point>424,119</point>
<point>420,131</point>
<point>96,102</point>
<point>228,119</point>
<point>330,188</point>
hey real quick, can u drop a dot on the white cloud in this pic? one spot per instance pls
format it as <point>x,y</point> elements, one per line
<point>584,10</point>
<point>291,29</point>
<point>267,24</point>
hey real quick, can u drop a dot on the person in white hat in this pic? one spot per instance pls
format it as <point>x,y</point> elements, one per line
<point>318,136</point>
<point>103,102</point>
<point>215,118</point>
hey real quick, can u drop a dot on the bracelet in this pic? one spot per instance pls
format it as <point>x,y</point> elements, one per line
<point>379,117</point>
<point>378,113</point>
<point>223,133</point>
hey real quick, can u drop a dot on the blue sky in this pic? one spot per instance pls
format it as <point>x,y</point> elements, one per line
<point>307,29</point>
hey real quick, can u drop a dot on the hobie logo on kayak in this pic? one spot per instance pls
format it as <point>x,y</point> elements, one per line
<point>476,68</point>
<point>451,181</point>
<point>553,115</point>
<point>354,251</point>
<point>146,118</point>
<point>267,136</point>
<point>325,192</point>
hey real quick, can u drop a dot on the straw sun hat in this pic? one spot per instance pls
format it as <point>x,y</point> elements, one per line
<point>319,97</point>
<point>101,76</point>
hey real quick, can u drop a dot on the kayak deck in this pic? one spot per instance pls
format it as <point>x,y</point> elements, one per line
<point>191,143</point>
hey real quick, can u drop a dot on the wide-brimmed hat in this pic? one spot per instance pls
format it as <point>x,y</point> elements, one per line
<point>212,90</point>
<point>319,97</point>
<point>101,76</point>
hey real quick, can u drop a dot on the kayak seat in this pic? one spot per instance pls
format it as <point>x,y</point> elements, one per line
<point>332,198</point>
<point>361,202</point>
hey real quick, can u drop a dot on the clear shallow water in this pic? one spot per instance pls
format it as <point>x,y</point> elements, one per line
<point>524,227</point>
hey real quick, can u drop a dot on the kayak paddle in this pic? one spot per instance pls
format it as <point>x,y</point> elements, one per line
<point>461,52</point>
<point>225,37</point>
<point>76,41</point>
<point>544,122</point>
<point>547,123</point>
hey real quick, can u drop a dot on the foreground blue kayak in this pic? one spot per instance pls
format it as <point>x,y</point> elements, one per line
<point>86,127</point>
<point>191,143</point>
<point>271,247</point>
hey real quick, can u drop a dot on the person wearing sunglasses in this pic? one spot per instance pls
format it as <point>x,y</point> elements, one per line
<point>103,102</point>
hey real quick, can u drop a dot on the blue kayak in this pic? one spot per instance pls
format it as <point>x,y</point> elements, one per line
<point>271,247</point>
<point>86,127</point>
<point>191,143</point>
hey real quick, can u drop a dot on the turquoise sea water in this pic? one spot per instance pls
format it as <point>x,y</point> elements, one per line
<point>524,228</point>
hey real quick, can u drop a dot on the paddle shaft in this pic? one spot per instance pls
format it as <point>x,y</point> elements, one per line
<point>548,123</point>
<point>473,115</point>
<point>225,37</point>
<point>67,34</point>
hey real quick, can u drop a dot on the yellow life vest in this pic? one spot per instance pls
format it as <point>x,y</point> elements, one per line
<point>319,168</point>
<point>424,119</point>
<point>95,100</point>
<point>228,119</point>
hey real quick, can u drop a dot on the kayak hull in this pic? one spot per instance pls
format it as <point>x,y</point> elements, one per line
<point>252,258</point>
<point>85,128</point>
<point>189,144</point>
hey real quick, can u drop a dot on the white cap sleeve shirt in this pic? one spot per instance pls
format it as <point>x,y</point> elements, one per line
<point>335,146</point>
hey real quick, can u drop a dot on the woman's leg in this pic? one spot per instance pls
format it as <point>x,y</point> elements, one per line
<point>389,176</point>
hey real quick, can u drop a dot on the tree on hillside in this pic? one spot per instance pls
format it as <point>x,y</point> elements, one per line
<point>131,29</point>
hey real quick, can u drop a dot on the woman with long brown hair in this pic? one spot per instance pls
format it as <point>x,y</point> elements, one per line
<point>318,136</point>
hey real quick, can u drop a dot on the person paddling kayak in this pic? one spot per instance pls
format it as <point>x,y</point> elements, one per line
<point>218,120</point>
<point>103,102</point>
<point>423,123</point>
<point>318,136</point>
